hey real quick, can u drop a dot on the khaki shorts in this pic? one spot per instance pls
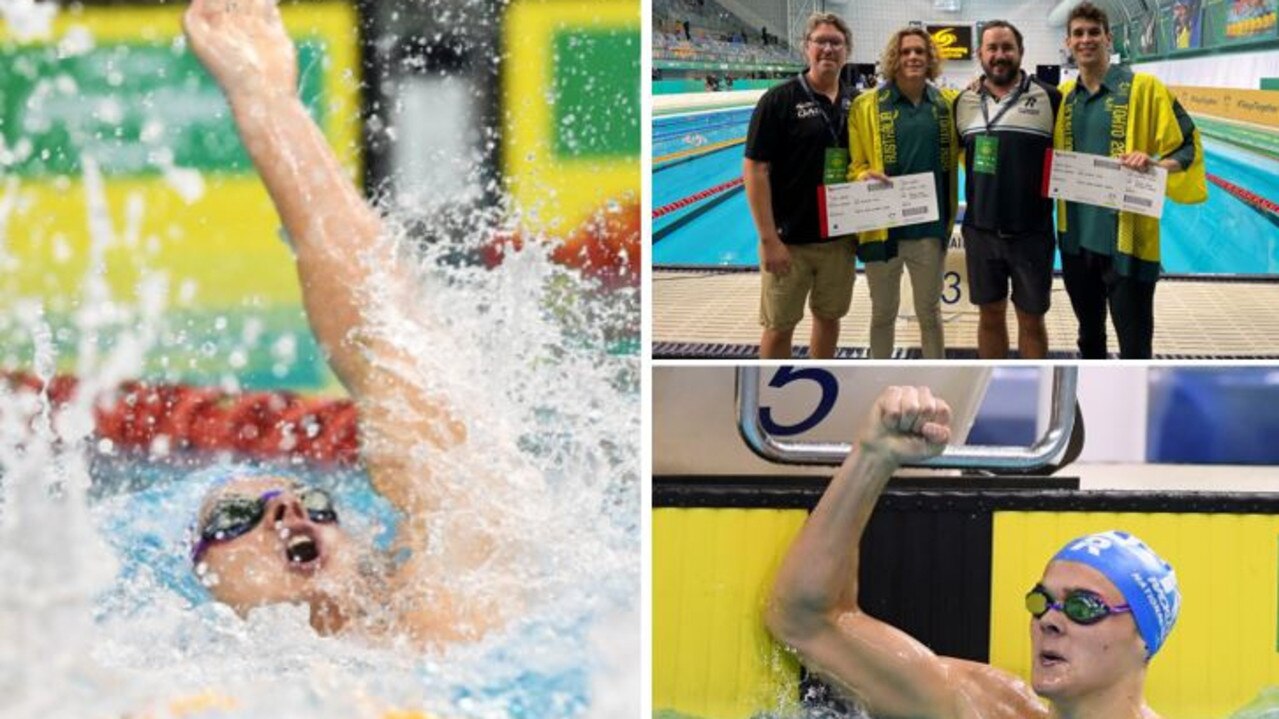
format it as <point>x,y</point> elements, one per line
<point>826,270</point>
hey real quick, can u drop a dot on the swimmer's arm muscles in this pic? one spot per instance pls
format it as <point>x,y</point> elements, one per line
<point>330,224</point>
<point>814,610</point>
<point>334,234</point>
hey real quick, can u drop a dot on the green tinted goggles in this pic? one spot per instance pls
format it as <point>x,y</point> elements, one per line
<point>1080,606</point>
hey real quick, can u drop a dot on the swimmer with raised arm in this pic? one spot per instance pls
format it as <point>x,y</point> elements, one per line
<point>263,538</point>
<point>1102,609</point>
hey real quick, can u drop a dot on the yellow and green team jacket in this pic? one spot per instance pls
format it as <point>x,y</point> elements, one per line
<point>1152,128</point>
<point>867,153</point>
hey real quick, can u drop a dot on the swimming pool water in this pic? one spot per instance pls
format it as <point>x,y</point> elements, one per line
<point>142,630</point>
<point>1221,236</point>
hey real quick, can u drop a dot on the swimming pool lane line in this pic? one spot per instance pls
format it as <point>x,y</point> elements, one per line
<point>693,153</point>
<point>695,197</point>
<point>1268,208</point>
<point>723,196</point>
<point>682,131</point>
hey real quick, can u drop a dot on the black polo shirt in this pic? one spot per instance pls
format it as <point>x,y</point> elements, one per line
<point>1009,200</point>
<point>790,130</point>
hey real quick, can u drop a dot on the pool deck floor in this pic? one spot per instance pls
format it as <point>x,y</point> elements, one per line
<point>711,314</point>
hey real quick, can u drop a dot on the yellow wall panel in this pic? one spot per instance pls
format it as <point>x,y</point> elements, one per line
<point>226,242</point>
<point>556,194</point>
<point>1256,106</point>
<point>712,570</point>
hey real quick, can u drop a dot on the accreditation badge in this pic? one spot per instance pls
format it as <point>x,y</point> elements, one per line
<point>836,167</point>
<point>986,154</point>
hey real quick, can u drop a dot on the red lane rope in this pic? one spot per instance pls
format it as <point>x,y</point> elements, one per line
<point>1257,201</point>
<point>263,425</point>
<point>686,201</point>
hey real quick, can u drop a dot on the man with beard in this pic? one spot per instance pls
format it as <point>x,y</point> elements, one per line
<point>1006,126</point>
<point>1110,259</point>
<point>1103,607</point>
<point>798,141</point>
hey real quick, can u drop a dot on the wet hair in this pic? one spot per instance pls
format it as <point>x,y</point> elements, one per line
<point>890,61</point>
<point>981,40</point>
<point>828,18</point>
<point>1091,13</point>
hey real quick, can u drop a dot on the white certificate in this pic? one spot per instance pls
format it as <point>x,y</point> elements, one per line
<point>1103,181</point>
<point>850,207</point>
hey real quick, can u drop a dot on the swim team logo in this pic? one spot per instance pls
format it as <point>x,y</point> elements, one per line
<point>805,110</point>
<point>1094,544</point>
<point>954,42</point>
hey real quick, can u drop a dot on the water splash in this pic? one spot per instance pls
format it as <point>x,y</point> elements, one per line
<point>27,19</point>
<point>525,352</point>
<point>522,352</point>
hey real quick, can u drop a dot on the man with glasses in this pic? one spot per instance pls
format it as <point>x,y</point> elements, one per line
<point>1102,609</point>
<point>1110,259</point>
<point>798,141</point>
<point>260,536</point>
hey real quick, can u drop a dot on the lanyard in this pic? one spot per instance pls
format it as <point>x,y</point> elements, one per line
<point>839,102</point>
<point>1008,104</point>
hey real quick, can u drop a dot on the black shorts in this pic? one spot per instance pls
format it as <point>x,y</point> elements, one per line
<point>1026,260</point>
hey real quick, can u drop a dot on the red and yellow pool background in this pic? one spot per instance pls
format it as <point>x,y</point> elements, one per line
<point>134,95</point>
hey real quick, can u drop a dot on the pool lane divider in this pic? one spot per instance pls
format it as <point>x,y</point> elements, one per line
<point>163,419</point>
<point>702,130</point>
<point>717,195</point>
<point>695,197</point>
<point>692,153</point>
<point>1267,207</point>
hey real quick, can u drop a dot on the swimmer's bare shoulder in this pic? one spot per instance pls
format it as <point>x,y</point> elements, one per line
<point>891,674</point>
<point>992,693</point>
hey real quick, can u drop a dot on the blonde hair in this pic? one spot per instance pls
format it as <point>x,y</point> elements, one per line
<point>890,61</point>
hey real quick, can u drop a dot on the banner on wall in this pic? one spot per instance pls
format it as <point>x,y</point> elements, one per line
<point>1251,18</point>
<point>1195,25</point>
<point>955,42</point>
<point>1186,19</point>
<point>1260,107</point>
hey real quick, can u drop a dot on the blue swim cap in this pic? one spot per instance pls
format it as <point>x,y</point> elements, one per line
<point>1147,582</point>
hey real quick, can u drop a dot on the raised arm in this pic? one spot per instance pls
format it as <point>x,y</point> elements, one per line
<point>345,266</point>
<point>814,607</point>
<point>244,46</point>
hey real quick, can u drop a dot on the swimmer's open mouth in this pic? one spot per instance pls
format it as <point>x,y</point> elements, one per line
<point>302,550</point>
